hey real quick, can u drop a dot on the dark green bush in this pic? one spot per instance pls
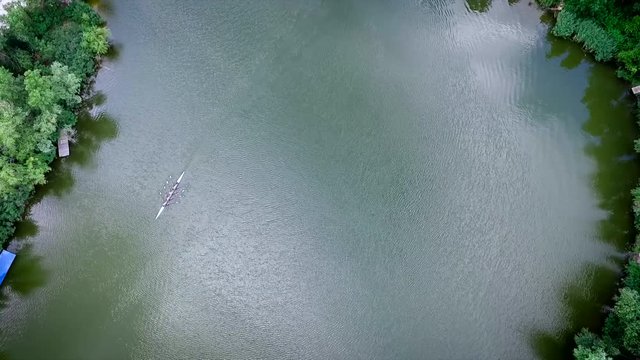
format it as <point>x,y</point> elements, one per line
<point>567,24</point>
<point>632,281</point>
<point>596,40</point>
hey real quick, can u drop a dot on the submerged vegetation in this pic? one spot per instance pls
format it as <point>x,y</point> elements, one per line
<point>49,52</point>
<point>610,29</point>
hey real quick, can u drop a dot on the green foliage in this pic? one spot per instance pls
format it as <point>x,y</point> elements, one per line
<point>548,3</point>
<point>596,40</point>
<point>11,88</point>
<point>48,50</point>
<point>635,193</point>
<point>80,12</point>
<point>627,309</point>
<point>612,335</point>
<point>19,24</point>
<point>566,25</point>
<point>47,31</point>
<point>582,353</point>
<point>589,347</point>
<point>589,8</point>
<point>64,45</point>
<point>11,118</point>
<point>96,40</point>
<point>12,206</point>
<point>632,281</point>
<point>630,61</point>
<point>610,29</point>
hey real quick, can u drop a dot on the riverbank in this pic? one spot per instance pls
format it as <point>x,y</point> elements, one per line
<point>49,53</point>
<point>610,32</point>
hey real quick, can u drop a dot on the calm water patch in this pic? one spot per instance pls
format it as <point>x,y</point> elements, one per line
<point>367,179</point>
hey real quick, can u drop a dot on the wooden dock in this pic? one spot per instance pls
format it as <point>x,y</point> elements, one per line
<point>63,145</point>
<point>635,90</point>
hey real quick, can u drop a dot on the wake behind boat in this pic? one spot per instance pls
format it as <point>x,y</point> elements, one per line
<point>171,196</point>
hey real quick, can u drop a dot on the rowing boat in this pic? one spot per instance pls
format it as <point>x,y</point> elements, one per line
<point>172,192</point>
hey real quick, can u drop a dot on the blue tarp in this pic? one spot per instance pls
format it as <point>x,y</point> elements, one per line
<point>6,258</point>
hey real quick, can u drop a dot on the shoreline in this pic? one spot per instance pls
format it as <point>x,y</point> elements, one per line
<point>617,335</point>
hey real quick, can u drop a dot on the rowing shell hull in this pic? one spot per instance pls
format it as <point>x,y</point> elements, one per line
<point>159,212</point>
<point>175,187</point>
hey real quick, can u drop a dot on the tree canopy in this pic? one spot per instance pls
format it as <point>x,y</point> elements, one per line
<point>49,50</point>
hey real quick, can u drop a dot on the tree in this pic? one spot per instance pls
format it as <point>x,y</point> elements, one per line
<point>49,49</point>
<point>46,91</point>
<point>627,309</point>
<point>589,347</point>
<point>11,118</point>
<point>566,24</point>
<point>582,353</point>
<point>96,40</point>
<point>10,87</point>
<point>632,281</point>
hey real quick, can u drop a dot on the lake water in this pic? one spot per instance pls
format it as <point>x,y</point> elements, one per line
<point>365,180</point>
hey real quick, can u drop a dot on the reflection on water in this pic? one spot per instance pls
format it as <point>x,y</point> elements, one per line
<point>478,5</point>
<point>58,183</point>
<point>583,300</point>
<point>573,54</point>
<point>92,131</point>
<point>611,129</point>
<point>98,98</point>
<point>25,229</point>
<point>485,5</point>
<point>27,272</point>
<point>114,51</point>
<point>105,7</point>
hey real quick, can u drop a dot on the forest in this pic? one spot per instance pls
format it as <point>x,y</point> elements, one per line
<point>610,29</point>
<point>49,53</point>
